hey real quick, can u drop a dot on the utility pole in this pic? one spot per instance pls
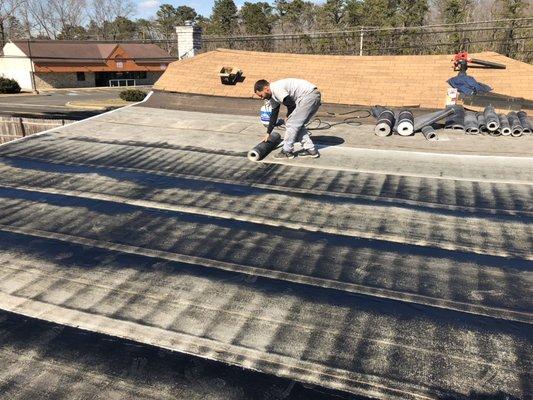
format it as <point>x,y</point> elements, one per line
<point>361,41</point>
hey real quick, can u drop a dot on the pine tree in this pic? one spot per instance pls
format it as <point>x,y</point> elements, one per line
<point>412,12</point>
<point>257,18</point>
<point>332,13</point>
<point>223,17</point>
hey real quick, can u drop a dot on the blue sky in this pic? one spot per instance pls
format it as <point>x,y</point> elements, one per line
<point>147,8</point>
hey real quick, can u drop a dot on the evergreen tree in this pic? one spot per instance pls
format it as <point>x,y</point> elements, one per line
<point>223,17</point>
<point>332,13</point>
<point>412,12</point>
<point>72,32</point>
<point>257,18</point>
<point>354,13</point>
<point>168,17</point>
<point>455,11</point>
<point>379,12</point>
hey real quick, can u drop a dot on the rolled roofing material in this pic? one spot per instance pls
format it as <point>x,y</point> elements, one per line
<point>457,119</point>
<point>263,149</point>
<point>471,126</point>
<point>405,123</point>
<point>431,118</point>
<point>482,126</point>
<point>385,121</point>
<point>514,123</point>
<point>429,133</point>
<point>491,119</point>
<point>505,129</point>
<point>524,121</point>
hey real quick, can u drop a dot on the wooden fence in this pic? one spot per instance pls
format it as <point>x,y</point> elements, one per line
<point>12,128</point>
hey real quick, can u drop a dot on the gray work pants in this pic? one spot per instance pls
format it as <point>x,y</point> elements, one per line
<point>295,130</point>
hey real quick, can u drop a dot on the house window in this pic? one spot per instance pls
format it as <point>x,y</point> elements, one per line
<point>80,76</point>
<point>120,64</point>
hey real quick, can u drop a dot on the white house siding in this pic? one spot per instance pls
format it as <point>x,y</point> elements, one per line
<point>16,65</point>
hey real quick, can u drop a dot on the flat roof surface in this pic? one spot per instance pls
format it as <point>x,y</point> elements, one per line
<point>378,269</point>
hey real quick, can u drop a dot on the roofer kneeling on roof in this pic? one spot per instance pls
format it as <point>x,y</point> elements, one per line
<point>302,100</point>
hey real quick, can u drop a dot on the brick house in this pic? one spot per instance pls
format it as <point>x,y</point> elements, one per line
<point>72,64</point>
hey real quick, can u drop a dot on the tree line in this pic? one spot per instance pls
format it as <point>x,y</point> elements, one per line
<point>113,19</point>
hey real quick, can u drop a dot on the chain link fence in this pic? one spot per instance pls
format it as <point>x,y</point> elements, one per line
<point>513,38</point>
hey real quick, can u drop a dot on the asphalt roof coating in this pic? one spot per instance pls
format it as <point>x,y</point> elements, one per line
<point>364,271</point>
<point>47,360</point>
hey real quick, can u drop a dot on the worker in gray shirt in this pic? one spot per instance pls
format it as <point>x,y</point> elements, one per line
<point>302,100</point>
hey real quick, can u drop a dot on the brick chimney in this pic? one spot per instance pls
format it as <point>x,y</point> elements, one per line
<point>189,39</point>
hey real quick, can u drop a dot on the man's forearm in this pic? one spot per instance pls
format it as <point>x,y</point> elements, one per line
<point>273,119</point>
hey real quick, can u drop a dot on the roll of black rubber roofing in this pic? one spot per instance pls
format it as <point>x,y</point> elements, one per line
<point>457,119</point>
<point>514,123</point>
<point>491,119</point>
<point>429,133</point>
<point>431,118</point>
<point>505,129</point>
<point>263,149</point>
<point>471,126</point>
<point>385,121</point>
<point>524,121</point>
<point>482,126</point>
<point>406,123</point>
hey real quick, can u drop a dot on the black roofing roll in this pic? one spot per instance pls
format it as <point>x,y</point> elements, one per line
<point>514,122</point>
<point>457,119</point>
<point>482,126</point>
<point>505,128</point>
<point>406,122</point>
<point>524,121</point>
<point>385,120</point>
<point>263,149</point>
<point>429,133</point>
<point>471,125</point>
<point>491,119</point>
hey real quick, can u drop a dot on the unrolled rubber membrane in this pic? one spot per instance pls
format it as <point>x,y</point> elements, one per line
<point>431,118</point>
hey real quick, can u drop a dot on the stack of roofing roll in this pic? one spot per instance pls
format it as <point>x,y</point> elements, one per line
<point>405,124</point>
<point>456,117</point>
<point>513,124</point>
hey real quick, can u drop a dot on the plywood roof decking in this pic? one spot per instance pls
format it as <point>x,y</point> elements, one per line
<point>367,80</point>
<point>363,270</point>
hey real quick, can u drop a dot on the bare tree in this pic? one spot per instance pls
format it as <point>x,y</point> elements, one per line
<point>7,11</point>
<point>104,12</point>
<point>51,17</point>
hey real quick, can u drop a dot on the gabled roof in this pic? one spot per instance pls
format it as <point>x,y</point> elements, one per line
<point>76,52</point>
